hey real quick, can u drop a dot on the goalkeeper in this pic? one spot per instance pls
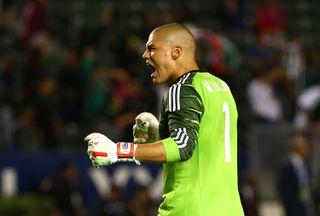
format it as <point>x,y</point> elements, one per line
<point>197,128</point>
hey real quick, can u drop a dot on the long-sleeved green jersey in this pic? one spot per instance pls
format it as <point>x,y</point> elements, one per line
<point>198,125</point>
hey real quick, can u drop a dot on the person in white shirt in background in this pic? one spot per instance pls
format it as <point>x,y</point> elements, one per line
<point>308,101</point>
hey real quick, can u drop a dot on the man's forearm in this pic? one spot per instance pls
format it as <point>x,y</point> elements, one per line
<point>152,152</point>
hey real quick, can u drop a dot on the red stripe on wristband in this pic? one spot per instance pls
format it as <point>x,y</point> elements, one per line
<point>125,150</point>
<point>99,154</point>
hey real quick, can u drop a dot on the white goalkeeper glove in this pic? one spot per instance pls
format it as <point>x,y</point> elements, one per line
<point>146,128</point>
<point>102,151</point>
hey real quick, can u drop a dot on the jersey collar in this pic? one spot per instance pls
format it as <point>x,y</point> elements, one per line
<point>192,71</point>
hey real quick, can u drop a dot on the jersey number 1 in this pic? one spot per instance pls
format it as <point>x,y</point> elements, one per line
<point>227,149</point>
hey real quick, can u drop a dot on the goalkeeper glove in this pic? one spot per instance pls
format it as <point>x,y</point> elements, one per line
<point>146,128</point>
<point>102,151</point>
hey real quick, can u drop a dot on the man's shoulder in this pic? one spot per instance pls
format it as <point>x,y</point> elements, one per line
<point>192,78</point>
<point>210,83</point>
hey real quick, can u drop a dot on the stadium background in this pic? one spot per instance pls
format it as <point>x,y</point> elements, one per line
<point>68,68</point>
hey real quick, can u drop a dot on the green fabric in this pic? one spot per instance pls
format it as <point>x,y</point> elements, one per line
<point>172,152</point>
<point>204,181</point>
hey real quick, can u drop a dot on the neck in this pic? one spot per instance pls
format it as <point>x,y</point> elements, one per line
<point>183,69</point>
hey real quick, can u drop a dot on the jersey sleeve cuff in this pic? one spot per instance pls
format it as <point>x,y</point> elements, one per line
<point>171,148</point>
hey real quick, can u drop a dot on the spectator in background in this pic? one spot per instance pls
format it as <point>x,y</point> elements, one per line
<point>149,22</point>
<point>47,118</point>
<point>113,204</point>
<point>34,19</point>
<point>142,204</point>
<point>220,56</point>
<point>111,47</point>
<point>129,98</point>
<point>261,57</point>
<point>311,68</point>
<point>7,127</point>
<point>265,103</point>
<point>7,68</point>
<point>270,17</point>
<point>294,179</point>
<point>267,71</point>
<point>70,88</point>
<point>39,123</point>
<point>270,21</point>
<point>248,194</point>
<point>98,95</point>
<point>66,191</point>
<point>114,99</point>
<point>32,70</point>
<point>7,91</point>
<point>308,105</point>
<point>88,60</point>
<point>232,14</point>
<point>28,136</point>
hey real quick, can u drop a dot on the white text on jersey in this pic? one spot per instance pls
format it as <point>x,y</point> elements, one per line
<point>213,86</point>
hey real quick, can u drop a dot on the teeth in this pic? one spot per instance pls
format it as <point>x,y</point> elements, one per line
<point>151,66</point>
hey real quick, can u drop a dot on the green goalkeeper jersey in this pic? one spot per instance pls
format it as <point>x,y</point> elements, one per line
<point>198,127</point>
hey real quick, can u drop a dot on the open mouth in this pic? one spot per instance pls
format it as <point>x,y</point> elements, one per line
<point>153,69</point>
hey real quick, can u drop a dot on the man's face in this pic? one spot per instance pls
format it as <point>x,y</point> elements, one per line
<point>158,58</point>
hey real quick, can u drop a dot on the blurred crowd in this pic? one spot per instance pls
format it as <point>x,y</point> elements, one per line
<point>56,85</point>
<point>51,92</point>
<point>65,192</point>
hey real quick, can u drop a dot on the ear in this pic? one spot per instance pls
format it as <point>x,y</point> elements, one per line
<point>176,52</point>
